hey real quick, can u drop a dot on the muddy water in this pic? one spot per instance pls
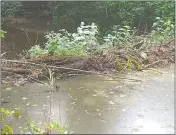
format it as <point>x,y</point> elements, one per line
<point>96,104</point>
<point>19,39</point>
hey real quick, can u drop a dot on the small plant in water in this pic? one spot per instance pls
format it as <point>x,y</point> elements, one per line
<point>6,120</point>
<point>32,127</point>
<point>50,127</point>
<point>3,34</point>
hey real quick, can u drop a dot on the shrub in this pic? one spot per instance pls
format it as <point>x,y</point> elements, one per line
<point>120,36</point>
<point>37,51</point>
<point>85,41</point>
<point>82,43</point>
<point>11,9</point>
<point>162,31</point>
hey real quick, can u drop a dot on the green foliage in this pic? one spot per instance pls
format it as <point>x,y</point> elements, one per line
<point>11,9</point>
<point>37,51</point>
<point>54,126</point>
<point>82,43</point>
<point>162,31</point>
<point>139,14</point>
<point>119,63</point>
<point>32,127</point>
<point>138,63</point>
<point>165,10</point>
<point>131,63</point>
<point>86,41</point>
<point>7,130</point>
<point>68,14</point>
<point>3,34</point>
<point>120,36</point>
<point>6,115</point>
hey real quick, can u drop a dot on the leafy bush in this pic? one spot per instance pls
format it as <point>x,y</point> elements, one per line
<point>139,14</point>
<point>32,127</point>
<point>10,9</point>
<point>120,36</point>
<point>85,42</point>
<point>82,43</point>
<point>3,34</point>
<point>37,51</point>
<point>7,115</point>
<point>162,31</point>
<point>35,128</point>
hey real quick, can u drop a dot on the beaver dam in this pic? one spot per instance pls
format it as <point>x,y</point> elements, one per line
<point>117,61</point>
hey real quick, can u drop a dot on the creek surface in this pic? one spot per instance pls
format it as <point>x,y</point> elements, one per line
<point>20,38</point>
<point>97,104</point>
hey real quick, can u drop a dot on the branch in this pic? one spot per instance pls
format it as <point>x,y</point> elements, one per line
<point>16,70</point>
<point>66,68</point>
<point>153,63</point>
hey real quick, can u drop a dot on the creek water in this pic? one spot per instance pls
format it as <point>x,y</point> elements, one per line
<point>97,104</point>
<point>19,39</point>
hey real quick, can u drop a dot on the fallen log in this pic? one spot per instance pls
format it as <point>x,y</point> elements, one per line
<point>66,68</point>
<point>16,70</point>
<point>154,63</point>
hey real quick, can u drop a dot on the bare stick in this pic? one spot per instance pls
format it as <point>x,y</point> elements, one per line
<point>36,39</point>
<point>3,54</point>
<point>106,12</point>
<point>16,70</point>
<point>13,44</point>
<point>36,80</point>
<point>154,63</point>
<point>169,42</point>
<point>29,41</point>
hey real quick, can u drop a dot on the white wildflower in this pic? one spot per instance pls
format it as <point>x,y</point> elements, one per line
<point>82,23</point>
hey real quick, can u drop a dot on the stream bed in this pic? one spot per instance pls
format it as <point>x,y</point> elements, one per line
<point>99,105</point>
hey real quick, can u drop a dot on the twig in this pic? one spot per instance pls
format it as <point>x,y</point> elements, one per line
<point>29,41</point>
<point>3,54</point>
<point>13,43</point>
<point>153,63</point>
<point>36,80</point>
<point>36,39</point>
<point>16,70</point>
<point>168,42</point>
<point>12,73</point>
<point>73,69</point>
<point>106,12</point>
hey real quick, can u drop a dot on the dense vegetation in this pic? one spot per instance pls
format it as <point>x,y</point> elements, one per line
<point>68,15</point>
<point>87,41</point>
<point>104,25</point>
